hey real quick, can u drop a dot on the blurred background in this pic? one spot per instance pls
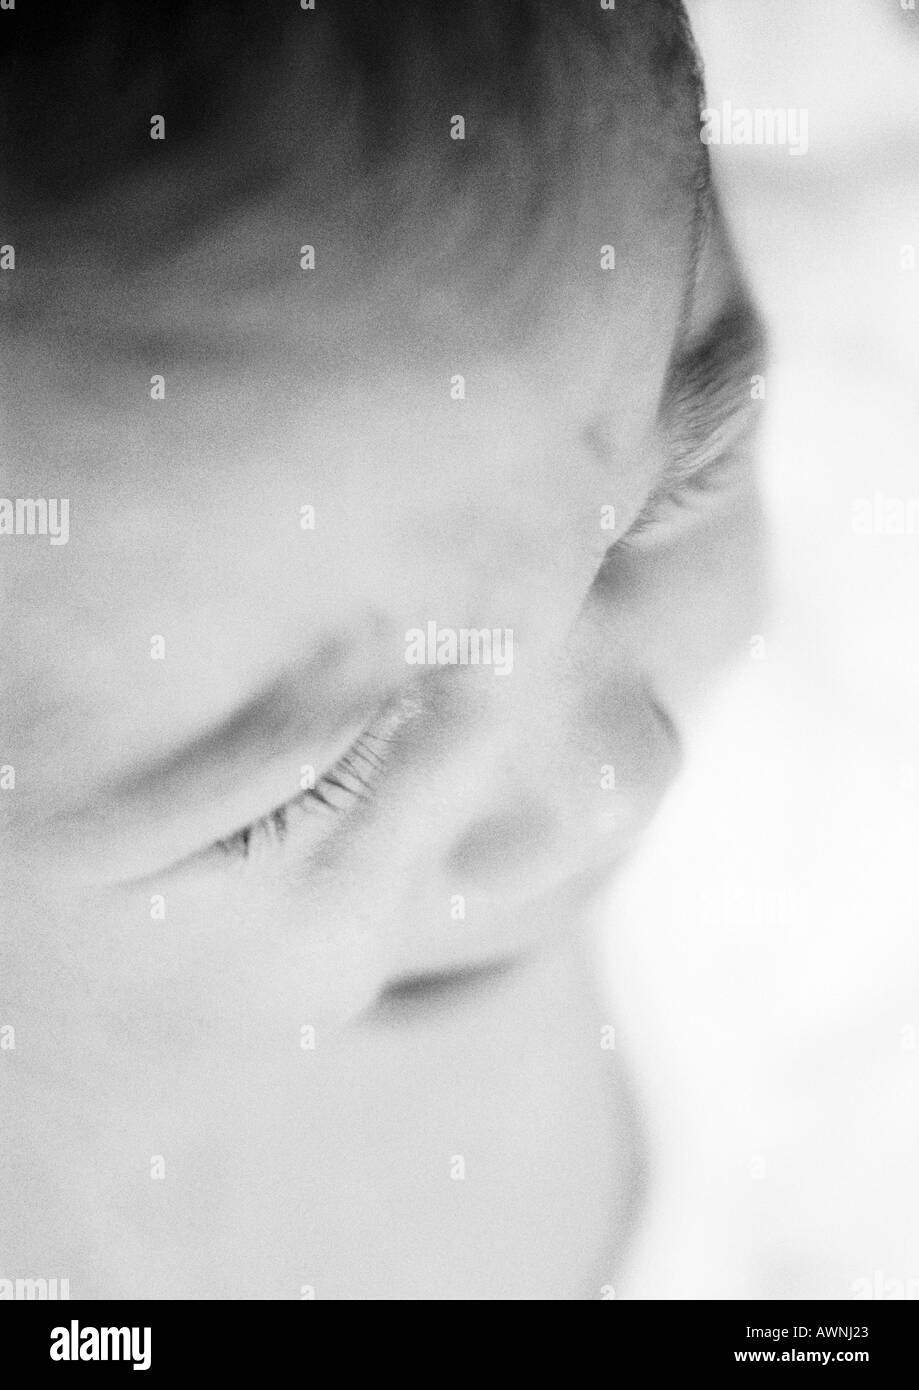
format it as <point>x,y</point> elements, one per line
<point>763,972</point>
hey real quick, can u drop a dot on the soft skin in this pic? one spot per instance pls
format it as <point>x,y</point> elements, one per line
<point>331,1167</point>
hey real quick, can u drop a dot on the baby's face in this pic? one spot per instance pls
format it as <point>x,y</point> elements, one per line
<point>259,775</point>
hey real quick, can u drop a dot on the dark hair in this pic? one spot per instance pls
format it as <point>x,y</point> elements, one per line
<point>342,111</point>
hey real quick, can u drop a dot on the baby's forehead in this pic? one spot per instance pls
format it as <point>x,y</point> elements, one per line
<point>240,510</point>
<point>342,222</point>
<point>288,373</point>
<point>198,391</point>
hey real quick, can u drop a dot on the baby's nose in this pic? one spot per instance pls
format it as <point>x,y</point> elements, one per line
<point>503,847</point>
<point>599,773</point>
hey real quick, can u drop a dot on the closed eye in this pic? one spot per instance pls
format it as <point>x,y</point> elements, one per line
<point>350,779</point>
<point>338,791</point>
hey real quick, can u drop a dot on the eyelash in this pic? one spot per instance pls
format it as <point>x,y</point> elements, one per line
<point>715,477</point>
<point>351,779</point>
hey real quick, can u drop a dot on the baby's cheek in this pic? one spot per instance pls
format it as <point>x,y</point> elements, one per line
<point>154,991</point>
<point>269,967</point>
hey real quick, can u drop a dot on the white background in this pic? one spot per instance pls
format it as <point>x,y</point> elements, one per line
<point>763,963</point>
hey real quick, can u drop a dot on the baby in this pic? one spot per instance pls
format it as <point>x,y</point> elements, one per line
<point>394,367</point>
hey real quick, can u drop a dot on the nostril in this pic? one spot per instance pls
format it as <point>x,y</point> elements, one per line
<point>503,847</point>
